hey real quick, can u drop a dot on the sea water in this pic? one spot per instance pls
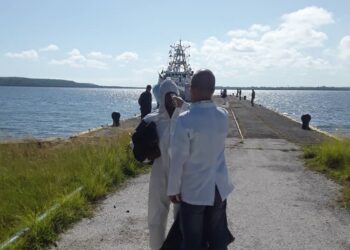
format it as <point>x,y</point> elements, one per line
<point>39,112</point>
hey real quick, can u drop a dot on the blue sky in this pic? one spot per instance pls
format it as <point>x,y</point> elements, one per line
<point>245,43</point>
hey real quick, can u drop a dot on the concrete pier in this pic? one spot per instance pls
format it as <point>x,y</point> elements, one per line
<point>260,122</point>
<point>276,204</point>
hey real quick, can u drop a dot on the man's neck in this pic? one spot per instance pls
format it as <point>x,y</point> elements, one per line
<point>202,99</point>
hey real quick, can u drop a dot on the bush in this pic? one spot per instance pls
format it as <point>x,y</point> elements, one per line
<point>333,159</point>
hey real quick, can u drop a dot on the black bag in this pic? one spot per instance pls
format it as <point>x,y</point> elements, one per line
<point>145,140</point>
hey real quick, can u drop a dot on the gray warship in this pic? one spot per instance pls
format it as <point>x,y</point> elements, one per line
<point>178,70</point>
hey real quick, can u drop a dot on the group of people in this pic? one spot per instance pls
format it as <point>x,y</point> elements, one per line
<point>191,171</point>
<point>239,94</point>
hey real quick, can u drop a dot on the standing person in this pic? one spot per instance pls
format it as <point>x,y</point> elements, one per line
<point>145,102</point>
<point>253,97</point>
<point>240,94</point>
<point>158,201</point>
<point>198,176</point>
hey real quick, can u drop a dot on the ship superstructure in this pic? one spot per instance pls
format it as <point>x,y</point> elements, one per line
<point>179,70</point>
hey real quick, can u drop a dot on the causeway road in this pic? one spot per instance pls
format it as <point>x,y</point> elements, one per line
<point>276,204</point>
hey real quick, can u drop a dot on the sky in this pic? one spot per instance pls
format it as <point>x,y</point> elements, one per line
<point>126,43</point>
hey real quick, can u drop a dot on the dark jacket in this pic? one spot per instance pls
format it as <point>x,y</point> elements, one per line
<point>145,102</point>
<point>145,140</point>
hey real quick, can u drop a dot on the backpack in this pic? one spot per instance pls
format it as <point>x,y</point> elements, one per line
<point>145,140</point>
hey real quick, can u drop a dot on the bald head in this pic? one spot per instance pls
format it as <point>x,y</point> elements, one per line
<point>202,85</point>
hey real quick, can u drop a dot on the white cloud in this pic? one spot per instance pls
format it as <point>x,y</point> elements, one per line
<point>261,47</point>
<point>254,31</point>
<point>127,56</point>
<point>151,70</point>
<point>312,16</point>
<point>299,29</point>
<point>344,48</point>
<point>99,55</point>
<point>26,54</point>
<point>76,60</point>
<point>50,47</point>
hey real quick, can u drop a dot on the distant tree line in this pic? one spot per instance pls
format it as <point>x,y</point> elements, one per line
<point>32,82</point>
<point>287,88</point>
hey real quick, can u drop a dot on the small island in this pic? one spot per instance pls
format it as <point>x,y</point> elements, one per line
<point>40,82</point>
<point>325,88</point>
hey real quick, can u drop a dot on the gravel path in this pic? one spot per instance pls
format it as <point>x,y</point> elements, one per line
<point>277,204</point>
<point>119,223</point>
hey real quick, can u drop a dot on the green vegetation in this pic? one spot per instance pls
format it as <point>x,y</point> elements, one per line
<point>325,88</point>
<point>34,176</point>
<point>31,82</point>
<point>333,159</point>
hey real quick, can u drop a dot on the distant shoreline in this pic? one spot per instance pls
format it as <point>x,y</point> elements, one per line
<point>73,87</point>
<point>324,88</point>
<point>58,83</point>
<point>217,88</point>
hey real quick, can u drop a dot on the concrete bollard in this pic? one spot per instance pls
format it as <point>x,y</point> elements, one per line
<point>116,118</point>
<point>305,119</point>
<point>244,97</point>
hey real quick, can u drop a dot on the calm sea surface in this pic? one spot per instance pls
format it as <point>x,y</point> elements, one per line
<point>27,112</point>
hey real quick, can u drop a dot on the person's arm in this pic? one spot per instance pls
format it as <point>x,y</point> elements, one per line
<point>180,105</point>
<point>179,153</point>
<point>141,99</point>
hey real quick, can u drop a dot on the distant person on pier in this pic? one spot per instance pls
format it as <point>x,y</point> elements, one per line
<point>223,93</point>
<point>253,97</point>
<point>145,102</point>
<point>240,94</point>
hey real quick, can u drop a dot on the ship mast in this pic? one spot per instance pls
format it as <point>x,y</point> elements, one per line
<point>178,63</point>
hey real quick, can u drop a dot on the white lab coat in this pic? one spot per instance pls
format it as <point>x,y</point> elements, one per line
<point>198,155</point>
<point>158,201</point>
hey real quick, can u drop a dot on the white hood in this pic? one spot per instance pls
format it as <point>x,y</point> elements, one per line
<point>165,87</point>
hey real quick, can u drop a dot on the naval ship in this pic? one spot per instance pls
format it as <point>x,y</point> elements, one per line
<point>178,70</point>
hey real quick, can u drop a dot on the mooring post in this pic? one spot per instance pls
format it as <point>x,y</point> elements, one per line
<point>305,119</point>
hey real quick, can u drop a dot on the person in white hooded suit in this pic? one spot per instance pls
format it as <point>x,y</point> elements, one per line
<point>158,201</point>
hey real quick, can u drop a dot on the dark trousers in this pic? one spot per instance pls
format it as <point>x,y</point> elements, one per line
<point>204,222</point>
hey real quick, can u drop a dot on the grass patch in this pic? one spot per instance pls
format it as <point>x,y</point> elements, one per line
<point>333,159</point>
<point>34,176</point>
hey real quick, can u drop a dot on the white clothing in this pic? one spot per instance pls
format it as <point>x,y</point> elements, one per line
<point>197,155</point>
<point>158,201</point>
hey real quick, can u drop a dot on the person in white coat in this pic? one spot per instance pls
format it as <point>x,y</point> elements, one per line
<point>158,201</point>
<point>198,175</point>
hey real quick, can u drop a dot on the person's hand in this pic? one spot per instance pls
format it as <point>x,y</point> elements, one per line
<point>175,198</point>
<point>178,101</point>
